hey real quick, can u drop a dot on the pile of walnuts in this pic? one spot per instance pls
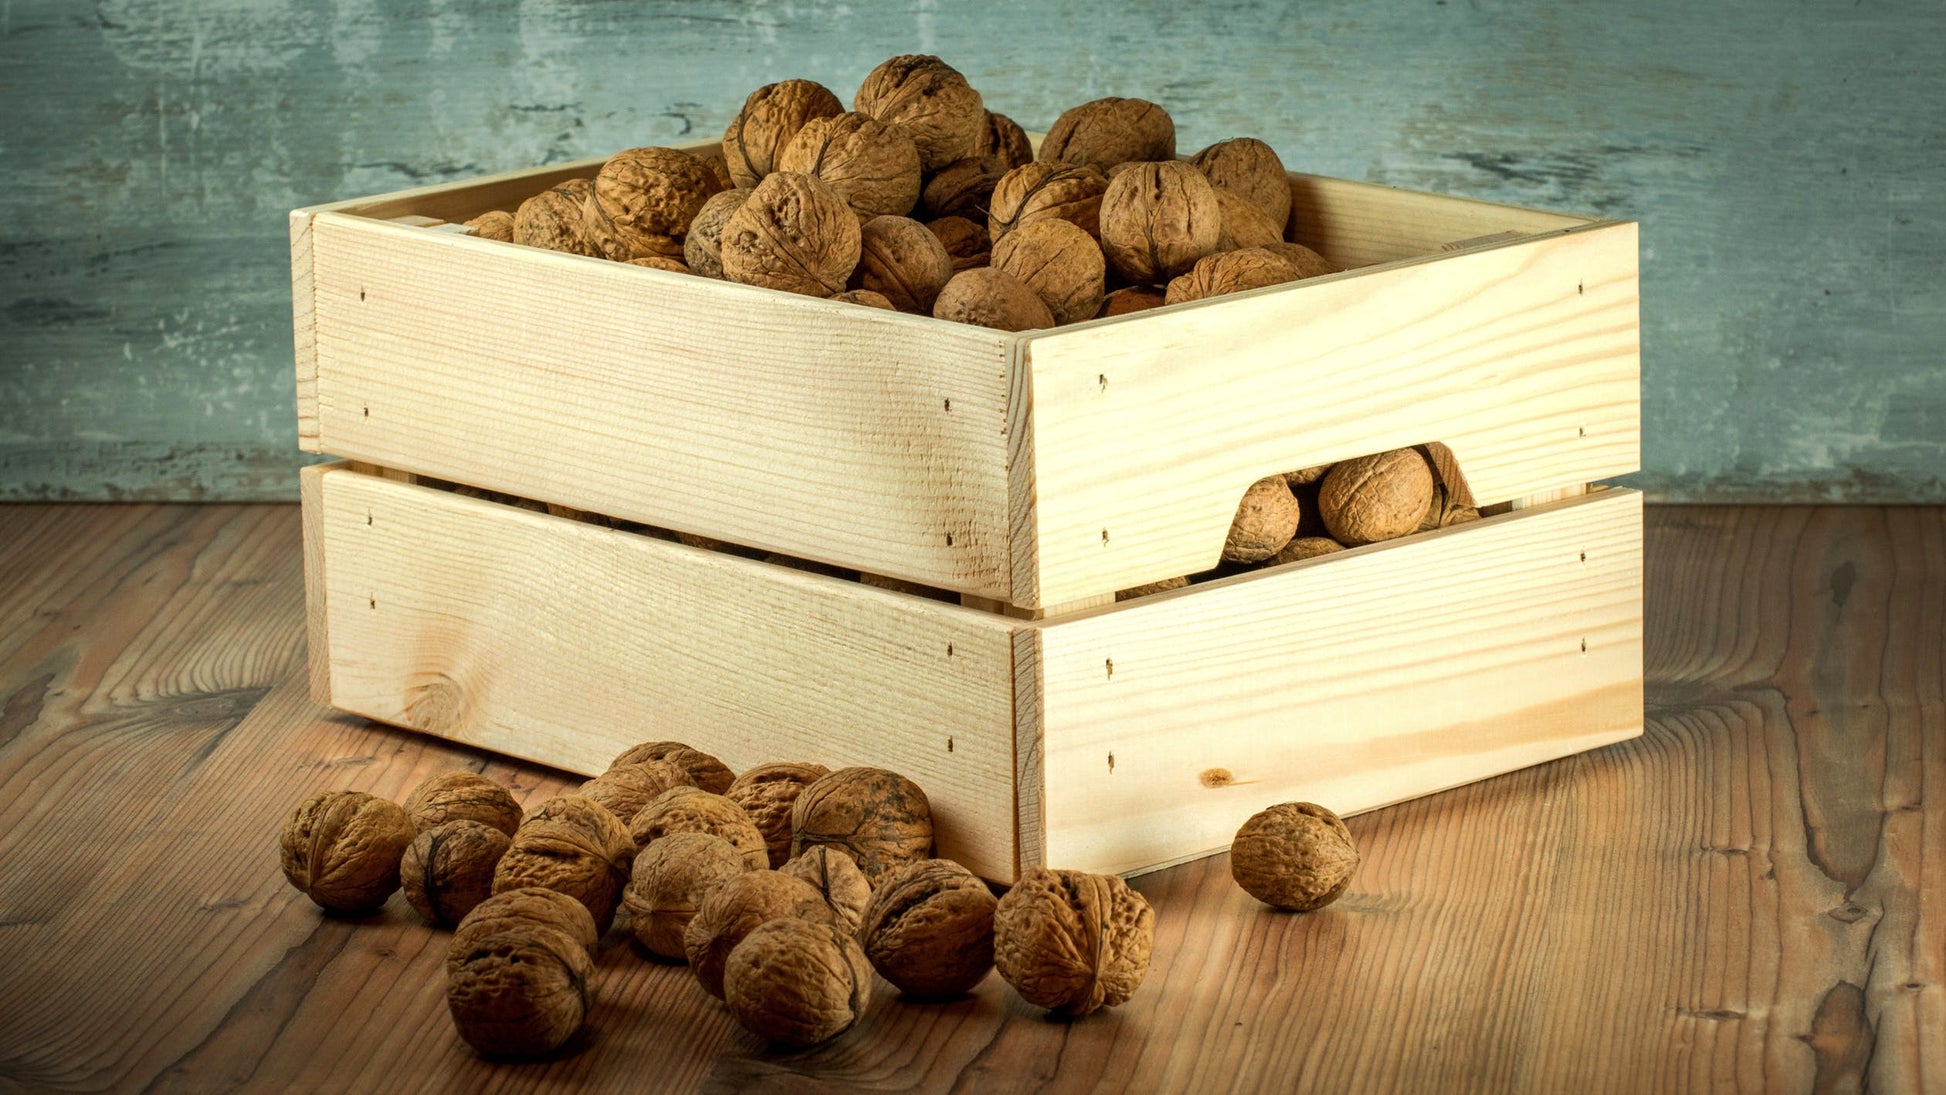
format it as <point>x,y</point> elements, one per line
<point>920,199</point>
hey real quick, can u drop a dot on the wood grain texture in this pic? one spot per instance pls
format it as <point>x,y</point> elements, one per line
<point>1523,359</point>
<point>1745,898</point>
<point>1362,224</point>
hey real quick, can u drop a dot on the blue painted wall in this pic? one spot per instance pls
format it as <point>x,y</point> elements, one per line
<point>1787,160</point>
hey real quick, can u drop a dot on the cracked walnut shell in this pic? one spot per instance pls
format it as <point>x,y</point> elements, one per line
<point>1157,219</point>
<point>448,869</point>
<point>670,880</point>
<point>1266,520</point>
<point>1072,942</point>
<point>872,165</point>
<point>703,770</point>
<point>342,849</point>
<point>902,260</point>
<point>794,233</point>
<point>1111,131</point>
<point>797,983</point>
<point>517,973</point>
<point>1062,264</point>
<point>931,101</point>
<point>771,116</point>
<point>1294,855</point>
<point>880,818</point>
<point>736,908</point>
<point>835,875</point>
<point>462,796</point>
<point>767,793</point>
<point>574,846</point>
<point>694,810</point>
<point>1251,169</point>
<point>929,929</point>
<point>1374,498</point>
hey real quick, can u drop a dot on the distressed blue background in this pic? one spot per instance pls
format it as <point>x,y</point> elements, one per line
<point>1787,160</point>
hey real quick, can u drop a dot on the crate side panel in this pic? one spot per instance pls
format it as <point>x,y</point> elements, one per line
<point>1360,224</point>
<point>827,431</point>
<point>1523,359</point>
<point>317,648</point>
<point>1355,680</point>
<point>566,642</point>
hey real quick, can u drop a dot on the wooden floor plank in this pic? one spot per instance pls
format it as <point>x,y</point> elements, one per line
<point>1751,896</point>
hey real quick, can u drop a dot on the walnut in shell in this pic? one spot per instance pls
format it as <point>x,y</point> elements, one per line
<point>986,297</point>
<point>703,770</point>
<point>794,233</point>
<point>1229,272</point>
<point>929,929</point>
<point>1163,586</point>
<point>668,884</point>
<point>657,262</point>
<point>1157,219</point>
<point>518,987</point>
<point>1110,131</point>
<point>735,908</point>
<point>1305,547</point>
<point>931,101</point>
<point>573,846</point>
<point>462,796</point>
<point>835,875</point>
<point>872,165</point>
<point>1133,298</point>
<point>864,298</point>
<point>1374,498</point>
<point>880,818</point>
<point>767,793</point>
<point>1265,521</point>
<point>694,810</point>
<point>1306,262</point>
<point>963,188</point>
<point>1244,224</point>
<point>965,240</point>
<point>701,247</point>
<point>625,788</point>
<point>797,983</point>
<point>903,261</point>
<point>342,849</point>
<point>1062,264</point>
<point>1306,476</point>
<point>770,118</point>
<point>1072,942</point>
<point>649,196</point>
<point>448,869</point>
<point>530,906</point>
<point>1004,138</point>
<point>1072,192</point>
<point>495,225</point>
<point>1294,855</point>
<point>553,219</point>
<point>1249,168</point>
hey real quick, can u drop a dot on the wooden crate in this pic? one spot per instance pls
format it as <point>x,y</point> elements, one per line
<point>1042,470</point>
<point>1114,739</point>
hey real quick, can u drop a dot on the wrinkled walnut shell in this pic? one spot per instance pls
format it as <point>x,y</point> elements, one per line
<point>495,225</point>
<point>929,929</point>
<point>1062,264</point>
<point>1244,224</point>
<point>835,875</point>
<point>1265,521</point>
<point>703,770</point>
<point>1306,262</point>
<point>1110,131</point>
<point>462,796</point>
<point>667,886</point>
<point>526,906</point>
<point>963,188</point>
<point>517,988</point>
<point>694,810</point>
<point>1306,476</point>
<point>797,983</point>
<point>448,869</point>
<point>872,165</point>
<point>1134,298</point>
<point>1229,272</point>
<point>767,793</point>
<point>1305,547</point>
<point>1072,192</point>
<point>770,118</point>
<point>878,817</point>
<point>864,298</point>
<point>625,788</point>
<point>1163,586</point>
<point>702,246</point>
<point>573,846</point>
<point>1072,942</point>
<point>965,240</point>
<point>735,908</point>
<point>553,219</point>
<point>650,195</point>
<point>1374,498</point>
<point>342,849</point>
<point>1249,168</point>
<point>902,260</point>
<point>1294,855</point>
<point>1157,219</point>
<point>986,297</point>
<point>794,233</point>
<point>1004,138</point>
<point>931,101</point>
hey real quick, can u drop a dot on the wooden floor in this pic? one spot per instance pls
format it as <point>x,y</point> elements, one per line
<point>1750,896</point>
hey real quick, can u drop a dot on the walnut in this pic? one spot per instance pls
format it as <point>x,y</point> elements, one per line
<point>1294,855</point>
<point>574,846</point>
<point>517,987</point>
<point>797,983</point>
<point>649,196</point>
<point>1306,476</point>
<point>872,165</point>
<point>1163,586</point>
<point>1305,547</point>
<point>668,884</point>
<point>1265,521</point>
<point>1057,260</point>
<point>1111,131</point>
<point>1229,272</point>
<point>835,875</point>
<point>575,190</point>
<point>1306,262</point>
<point>1072,942</point>
<point>794,233</point>
<point>1004,138</point>
<point>611,242</point>
<point>657,262</point>
<point>1244,224</point>
<point>735,908</point>
<point>701,246</point>
<point>462,796</point>
<point>525,906</point>
<point>931,101</point>
<point>965,240</point>
<point>718,169</point>
<point>1072,192</point>
<point>694,810</point>
<point>342,849</point>
<point>553,219</point>
<point>704,771</point>
<point>987,297</point>
<point>448,869</point>
<point>1134,298</point>
<point>963,188</point>
<point>770,117</point>
<point>929,929</point>
<point>625,788</point>
<point>1157,219</point>
<point>880,817</point>
<point>1445,510</point>
<point>495,225</point>
<point>1374,498</point>
<point>1249,168</point>
<point>767,793</point>
<point>903,261</point>
<point>865,298</point>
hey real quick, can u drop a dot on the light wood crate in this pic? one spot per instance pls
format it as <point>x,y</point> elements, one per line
<point>1116,739</point>
<point>1041,470</point>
